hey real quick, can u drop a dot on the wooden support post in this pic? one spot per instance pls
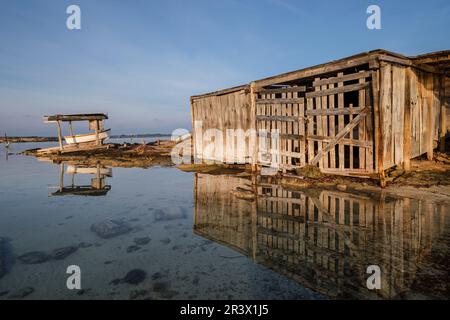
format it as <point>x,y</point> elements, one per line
<point>70,128</point>
<point>255,141</point>
<point>407,123</point>
<point>443,124</point>
<point>378,117</point>
<point>58,124</point>
<point>430,128</point>
<point>97,141</point>
<point>193,132</point>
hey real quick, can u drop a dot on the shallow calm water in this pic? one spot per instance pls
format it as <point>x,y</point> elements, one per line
<point>199,236</point>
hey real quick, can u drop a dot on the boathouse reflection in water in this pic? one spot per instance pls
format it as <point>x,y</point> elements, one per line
<point>321,238</point>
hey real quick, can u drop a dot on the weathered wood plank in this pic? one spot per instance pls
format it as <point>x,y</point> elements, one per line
<point>334,111</point>
<point>281,90</point>
<point>348,88</point>
<point>353,142</point>
<point>347,77</point>
<point>333,66</point>
<point>398,107</point>
<point>301,144</point>
<point>362,125</point>
<point>341,124</point>
<point>386,115</point>
<point>443,114</point>
<point>324,105</point>
<point>276,118</point>
<point>310,130</point>
<point>407,122</point>
<point>281,135</point>
<point>332,128</point>
<point>318,102</point>
<point>278,101</point>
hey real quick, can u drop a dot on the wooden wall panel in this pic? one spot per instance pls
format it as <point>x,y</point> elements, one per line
<point>221,113</point>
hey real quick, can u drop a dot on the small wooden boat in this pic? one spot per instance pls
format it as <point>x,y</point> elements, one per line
<point>89,137</point>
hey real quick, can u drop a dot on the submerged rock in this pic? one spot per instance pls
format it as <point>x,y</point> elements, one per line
<point>34,257</point>
<point>22,293</point>
<point>172,213</point>
<point>37,257</point>
<point>133,249</point>
<point>166,241</point>
<point>85,245</point>
<point>62,253</point>
<point>110,228</point>
<point>6,257</point>
<point>133,277</point>
<point>142,241</point>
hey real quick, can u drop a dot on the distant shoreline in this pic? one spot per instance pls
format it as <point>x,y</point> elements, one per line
<point>53,139</point>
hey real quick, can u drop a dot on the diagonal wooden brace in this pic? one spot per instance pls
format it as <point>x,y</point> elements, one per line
<point>349,127</point>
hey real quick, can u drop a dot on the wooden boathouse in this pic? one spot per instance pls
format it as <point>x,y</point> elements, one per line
<point>355,116</point>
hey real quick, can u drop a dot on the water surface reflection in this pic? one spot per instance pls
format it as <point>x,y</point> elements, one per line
<point>97,186</point>
<point>326,239</point>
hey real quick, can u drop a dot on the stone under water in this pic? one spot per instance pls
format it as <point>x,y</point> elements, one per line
<point>110,228</point>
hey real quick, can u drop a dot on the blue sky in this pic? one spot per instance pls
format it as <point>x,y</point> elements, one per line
<point>139,61</point>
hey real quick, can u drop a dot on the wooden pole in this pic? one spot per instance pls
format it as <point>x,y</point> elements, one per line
<point>430,123</point>
<point>378,116</point>
<point>59,135</point>
<point>70,128</point>
<point>253,114</point>
<point>407,123</point>
<point>97,141</point>
<point>443,102</point>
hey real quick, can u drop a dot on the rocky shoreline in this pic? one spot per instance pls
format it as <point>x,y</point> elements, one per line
<point>115,155</point>
<point>27,139</point>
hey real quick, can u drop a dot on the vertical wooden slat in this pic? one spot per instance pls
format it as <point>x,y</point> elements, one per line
<point>351,135</point>
<point>430,117</point>
<point>386,114</point>
<point>398,108</point>
<point>289,129</point>
<point>332,129</point>
<point>407,123</point>
<point>378,119</point>
<point>283,109</point>
<point>309,106</point>
<point>443,120</point>
<point>324,106</point>
<point>362,126</point>
<point>302,124</point>
<point>341,123</point>
<point>319,132</point>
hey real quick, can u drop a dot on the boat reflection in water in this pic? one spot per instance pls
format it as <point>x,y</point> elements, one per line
<point>98,186</point>
<point>326,239</point>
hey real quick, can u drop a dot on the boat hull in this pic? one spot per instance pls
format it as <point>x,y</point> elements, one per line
<point>85,138</point>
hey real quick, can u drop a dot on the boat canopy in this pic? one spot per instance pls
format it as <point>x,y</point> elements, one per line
<point>76,117</point>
